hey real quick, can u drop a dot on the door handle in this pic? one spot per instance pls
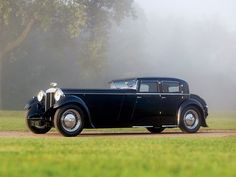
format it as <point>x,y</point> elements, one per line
<point>139,97</point>
<point>163,97</point>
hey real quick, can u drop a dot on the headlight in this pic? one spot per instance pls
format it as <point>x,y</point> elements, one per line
<point>58,94</point>
<point>40,95</point>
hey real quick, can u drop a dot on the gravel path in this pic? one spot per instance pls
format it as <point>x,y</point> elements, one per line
<point>204,133</point>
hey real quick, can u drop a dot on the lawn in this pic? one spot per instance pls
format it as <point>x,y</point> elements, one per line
<point>12,121</point>
<point>118,157</point>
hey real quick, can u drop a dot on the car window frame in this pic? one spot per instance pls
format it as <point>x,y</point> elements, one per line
<point>180,87</point>
<point>150,81</point>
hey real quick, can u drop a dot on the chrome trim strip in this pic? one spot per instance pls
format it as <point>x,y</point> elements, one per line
<point>138,93</point>
<point>45,103</point>
<point>142,126</point>
<point>163,94</point>
<point>178,117</point>
<point>166,126</point>
<point>50,99</point>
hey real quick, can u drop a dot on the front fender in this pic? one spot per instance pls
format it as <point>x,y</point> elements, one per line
<point>74,100</point>
<point>35,109</point>
<point>30,103</point>
<point>192,102</point>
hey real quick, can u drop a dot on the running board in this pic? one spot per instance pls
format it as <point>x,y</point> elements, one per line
<point>164,126</point>
<point>142,126</point>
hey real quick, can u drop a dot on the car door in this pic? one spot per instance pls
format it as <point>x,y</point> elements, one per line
<point>127,111</point>
<point>172,97</point>
<point>148,104</point>
<point>105,108</point>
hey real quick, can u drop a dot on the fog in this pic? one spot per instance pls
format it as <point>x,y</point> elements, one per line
<point>191,40</point>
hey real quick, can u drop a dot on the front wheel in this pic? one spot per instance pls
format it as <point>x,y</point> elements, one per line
<point>69,120</point>
<point>155,130</point>
<point>190,120</point>
<point>37,127</point>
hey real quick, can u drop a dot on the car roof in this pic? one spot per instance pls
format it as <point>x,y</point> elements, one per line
<point>150,78</point>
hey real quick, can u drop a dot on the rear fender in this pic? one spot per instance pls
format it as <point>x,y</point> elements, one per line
<point>74,100</point>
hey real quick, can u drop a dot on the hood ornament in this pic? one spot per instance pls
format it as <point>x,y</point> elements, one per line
<point>53,84</point>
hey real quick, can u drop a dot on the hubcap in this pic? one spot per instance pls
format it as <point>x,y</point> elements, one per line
<point>191,119</point>
<point>71,120</point>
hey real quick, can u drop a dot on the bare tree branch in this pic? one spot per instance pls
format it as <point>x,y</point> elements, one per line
<point>13,44</point>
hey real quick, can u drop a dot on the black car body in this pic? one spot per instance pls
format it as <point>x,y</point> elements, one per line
<point>154,103</point>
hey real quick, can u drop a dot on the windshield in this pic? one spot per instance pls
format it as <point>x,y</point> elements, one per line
<point>124,84</point>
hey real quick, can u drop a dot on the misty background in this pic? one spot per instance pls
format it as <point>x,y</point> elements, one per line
<point>191,40</point>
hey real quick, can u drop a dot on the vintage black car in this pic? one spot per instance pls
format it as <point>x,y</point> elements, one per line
<point>153,103</point>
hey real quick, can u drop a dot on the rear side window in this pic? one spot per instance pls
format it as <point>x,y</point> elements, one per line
<point>148,86</point>
<point>171,87</point>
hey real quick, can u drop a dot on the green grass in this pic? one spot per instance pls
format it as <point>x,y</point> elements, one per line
<point>14,121</point>
<point>222,120</point>
<point>118,157</point>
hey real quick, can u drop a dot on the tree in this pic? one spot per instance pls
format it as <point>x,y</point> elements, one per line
<point>90,17</point>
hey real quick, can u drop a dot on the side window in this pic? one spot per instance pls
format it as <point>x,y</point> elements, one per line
<point>148,86</point>
<point>171,87</point>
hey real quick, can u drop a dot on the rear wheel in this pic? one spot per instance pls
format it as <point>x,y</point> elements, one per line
<point>190,120</point>
<point>37,127</point>
<point>69,120</point>
<point>155,129</point>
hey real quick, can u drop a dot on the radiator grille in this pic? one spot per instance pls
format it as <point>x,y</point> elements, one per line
<point>49,100</point>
